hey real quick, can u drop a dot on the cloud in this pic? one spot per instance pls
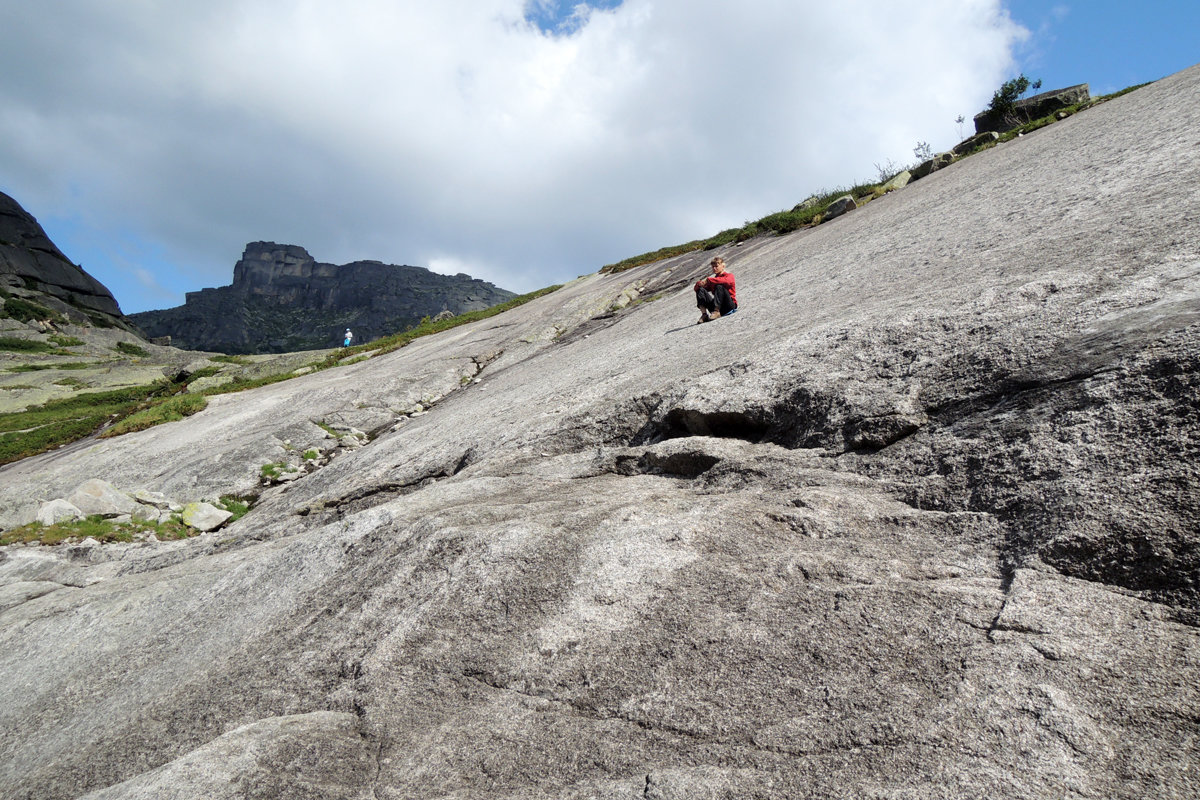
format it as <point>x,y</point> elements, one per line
<point>461,132</point>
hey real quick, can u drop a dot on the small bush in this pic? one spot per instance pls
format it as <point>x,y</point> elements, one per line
<point>1004,100</point>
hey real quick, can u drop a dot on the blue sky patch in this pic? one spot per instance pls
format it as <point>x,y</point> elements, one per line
<point>563,17</point>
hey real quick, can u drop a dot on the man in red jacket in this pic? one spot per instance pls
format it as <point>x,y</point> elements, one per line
<point>716,296</point>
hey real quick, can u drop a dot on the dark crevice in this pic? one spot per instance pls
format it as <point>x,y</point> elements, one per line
<point>371,496</point>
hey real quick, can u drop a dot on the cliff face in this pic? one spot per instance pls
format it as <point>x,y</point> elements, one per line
<point>921,520</point>
<point>32,265</point>
<point>282,299</point>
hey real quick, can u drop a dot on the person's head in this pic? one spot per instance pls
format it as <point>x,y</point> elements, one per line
<point>718,265</point>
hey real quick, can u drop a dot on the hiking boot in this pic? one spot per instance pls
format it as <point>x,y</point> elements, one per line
<point>714,314</point>
<point>703,317</point>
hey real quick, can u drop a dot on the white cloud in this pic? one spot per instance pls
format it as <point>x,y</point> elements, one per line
<point>458,133</point>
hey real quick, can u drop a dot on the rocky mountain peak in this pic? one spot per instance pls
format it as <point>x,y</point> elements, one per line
<point>282,299</point>
<point>263,262</point>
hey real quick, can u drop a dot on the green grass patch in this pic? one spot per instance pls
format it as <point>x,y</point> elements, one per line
<point>57,422</point>
<point>66,341</point>
<point>777,224</point>
<point>74,383</point>
<point>223,359</point>
<point>14,344</point>
<point>131,349</point>
<point>276,469</point>
<point>25,310</point>
<point>234,505</point>
<point>43,367</point>
<point>242,384</point>
<point>98,528</point>
<point>171,409</point>
<point>312,455</point>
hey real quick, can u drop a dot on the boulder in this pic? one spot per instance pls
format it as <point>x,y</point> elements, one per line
<point>101,498</point>
<point>191,368</point>
<point>898,181</point>
<point>939,161</point>
<point>56,511</point>
<point>973,142</point>
<point>204,517</point>
<point>839,207</point>
<point>144,513</point>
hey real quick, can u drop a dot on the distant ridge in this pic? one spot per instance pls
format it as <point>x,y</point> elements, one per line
<point>282,300</point>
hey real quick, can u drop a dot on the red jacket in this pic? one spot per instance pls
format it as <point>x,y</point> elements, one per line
<point>724,279</point>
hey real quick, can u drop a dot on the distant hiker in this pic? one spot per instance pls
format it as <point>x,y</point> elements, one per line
<point>716,296</point>
<point>349,338</point>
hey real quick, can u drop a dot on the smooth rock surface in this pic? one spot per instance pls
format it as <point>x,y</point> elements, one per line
<point>919,521</point>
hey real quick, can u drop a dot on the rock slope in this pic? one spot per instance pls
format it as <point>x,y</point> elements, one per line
<point>283,300</point>
<point>32,266</point>
<point>919,521</point>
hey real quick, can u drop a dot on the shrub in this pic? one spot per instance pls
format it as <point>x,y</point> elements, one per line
<point>65,341</point>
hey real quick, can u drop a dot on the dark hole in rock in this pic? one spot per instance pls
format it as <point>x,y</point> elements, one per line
<point>720,424</point>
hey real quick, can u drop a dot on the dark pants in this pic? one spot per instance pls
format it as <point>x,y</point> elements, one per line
<point>716,300</point>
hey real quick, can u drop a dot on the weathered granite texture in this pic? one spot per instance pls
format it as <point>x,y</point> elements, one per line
<point>282,299</point>
<point>30,260</point>
<point>919,521</point>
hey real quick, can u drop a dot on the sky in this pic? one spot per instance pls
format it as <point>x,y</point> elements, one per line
<point>525,142</point>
